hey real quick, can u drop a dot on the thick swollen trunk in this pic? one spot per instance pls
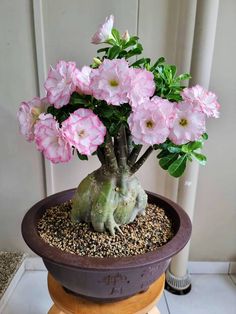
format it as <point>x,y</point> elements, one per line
<point>108,201</point>
<point>111,196</point>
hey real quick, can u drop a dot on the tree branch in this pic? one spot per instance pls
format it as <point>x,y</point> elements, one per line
<point>101,156</point>
<point>134,155</point>
<point>110,156</point>
<point>121,149</point>
<point>141,160</point>
<point>130,144</point>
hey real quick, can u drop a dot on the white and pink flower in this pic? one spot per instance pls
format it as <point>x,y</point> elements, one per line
<point>49,140</point>
<point>112,81</point>
<point>28,114</point>
<point>142,86</point>
<point>188,124</point>
<point>82,80</point>
<point>148,124</point>
<point>61,83</point>
<point>84,130</point>
<point>202,100</point>
<point>104,31</point>
<point>167,108</point>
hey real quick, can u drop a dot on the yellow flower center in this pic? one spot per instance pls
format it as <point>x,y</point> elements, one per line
<point>183,122</point>
<point>35,111</point>
<point>150,124</point>
<point>81,133</point>
<point>113,83</point>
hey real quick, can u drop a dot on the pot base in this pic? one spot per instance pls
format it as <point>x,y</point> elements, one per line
<point>141,303</point>
<point>98,300</point>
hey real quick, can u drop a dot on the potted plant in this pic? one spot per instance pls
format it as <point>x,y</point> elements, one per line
<point>112,109</point>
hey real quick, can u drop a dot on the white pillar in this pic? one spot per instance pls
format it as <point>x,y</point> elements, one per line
<point>202,55</point>
<point>183,53</point>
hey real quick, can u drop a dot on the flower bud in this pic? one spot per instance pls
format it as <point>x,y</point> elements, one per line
<point>126,36</point>
<point>97,61</point>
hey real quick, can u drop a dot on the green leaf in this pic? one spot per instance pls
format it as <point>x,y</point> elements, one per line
<point>165,162</point>
<point>111,41</point>
<point>113,52</point>
<point>176,169</point>
<point>116,34</point>
<point>163,153</point>
<point>174,149</point>
<point>140,61</point>
<point>200,158</point>
<point>173,70</point>
<point>174,97</point>
<point>136,51</point>
<point>102,50</point>
<point>185,148</point>
<point>81,157</point>
<point>205,136</point>
<point>183,77</point>
<point>131,42</point>
<point>107,113</point>
<point>78,101</point>
<point>159,61</point>
<point>113,128</point>
<point>194,145</point>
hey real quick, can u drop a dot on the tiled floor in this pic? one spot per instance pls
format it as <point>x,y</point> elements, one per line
<point>211,294</point>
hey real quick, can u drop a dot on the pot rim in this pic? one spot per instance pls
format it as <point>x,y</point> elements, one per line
<point>57,256</point>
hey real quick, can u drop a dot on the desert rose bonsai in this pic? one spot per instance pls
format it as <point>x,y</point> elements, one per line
<point>112,109</point>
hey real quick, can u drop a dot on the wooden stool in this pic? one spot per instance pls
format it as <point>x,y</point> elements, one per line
<point>142,303</point>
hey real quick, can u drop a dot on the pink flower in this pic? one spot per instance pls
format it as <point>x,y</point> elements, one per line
<point>188,124</point>
<point>82,80</point>
<point>203,100</point>
<point>28,115</point>
<point>84,130</point>
<point>111,81</point>
<point>49,140</point>
<point>148,125</point>
<point>61,83</point>
<point>104,31</point>
<point>167,108</point>
<point>142,86</point>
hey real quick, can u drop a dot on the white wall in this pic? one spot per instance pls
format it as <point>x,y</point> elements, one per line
<point>63,30</point>
<point>21,169</point>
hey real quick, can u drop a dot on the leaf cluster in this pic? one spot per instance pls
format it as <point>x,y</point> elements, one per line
<point>173,158</point>
<point>120,48</point>
<point>168,83</point>
<point>76,101</point>
<point>112,116</point>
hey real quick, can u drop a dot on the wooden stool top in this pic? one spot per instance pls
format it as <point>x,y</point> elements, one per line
<point>138,304</point>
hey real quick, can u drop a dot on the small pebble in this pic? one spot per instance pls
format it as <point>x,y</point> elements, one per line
<point>146,233</point>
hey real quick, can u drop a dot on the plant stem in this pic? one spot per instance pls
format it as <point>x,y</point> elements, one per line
<point>129,141</point>
<point>121,149</point>
<point>101,156</point>
<point>110,156</point>
<point>134,155</point>
<point>141,160</point>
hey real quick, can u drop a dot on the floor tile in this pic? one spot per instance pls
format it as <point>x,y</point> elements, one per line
<point>210,294</point>
<point>30,296</point>
<point>162,306</point>
<point>233,277</point>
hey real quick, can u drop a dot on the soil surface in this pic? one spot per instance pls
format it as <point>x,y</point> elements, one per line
<point>146,233</point>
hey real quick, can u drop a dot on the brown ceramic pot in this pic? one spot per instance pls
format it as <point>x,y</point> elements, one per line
<point>106,279</point>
